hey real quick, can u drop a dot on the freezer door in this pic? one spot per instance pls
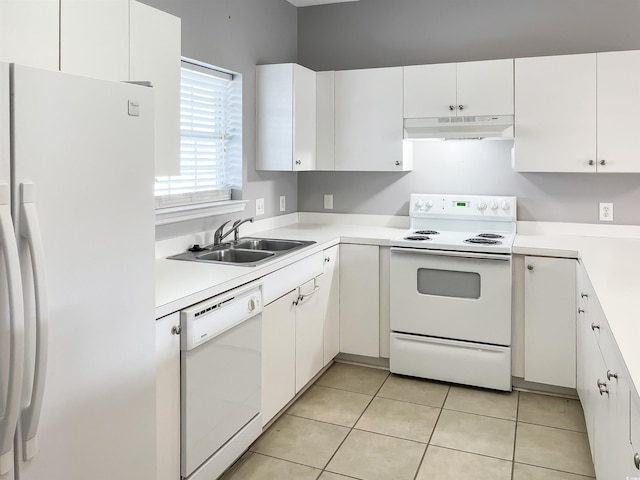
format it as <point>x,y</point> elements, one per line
<point>83,160</point>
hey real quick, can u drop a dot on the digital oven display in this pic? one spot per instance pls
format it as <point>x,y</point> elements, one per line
<point>461,204</point>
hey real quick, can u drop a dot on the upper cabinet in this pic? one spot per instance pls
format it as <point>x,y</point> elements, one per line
<point>618,100</point>
<point>94,38</point>
<point>29,33</point>
<point>576,113</point>
<point>457,89</point>
<point>325,120</point>
<point>369,121</point>
<point>155,56</point>
<point>286,117</point>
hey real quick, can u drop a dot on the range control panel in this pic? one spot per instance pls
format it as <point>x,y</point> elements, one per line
<point>463,206</point>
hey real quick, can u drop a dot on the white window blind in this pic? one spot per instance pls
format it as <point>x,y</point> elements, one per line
<point>206,110</point>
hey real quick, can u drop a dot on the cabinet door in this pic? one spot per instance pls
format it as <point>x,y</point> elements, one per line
<point>309,333</point>
<point>618,104</point>
<point>485,88</point>
<point>359,305</point>
<point>155,57</point>
<point>94,38</point>
<point>555,114</point>
<point>278,355</point>
<point>329,283</point>
<point>168,397</point>
<point>304,119</point>
<point>550,321</point>
<point>430,90</point>
<point>325,93</point>
<point>29,33</point>
<point>368,120</point>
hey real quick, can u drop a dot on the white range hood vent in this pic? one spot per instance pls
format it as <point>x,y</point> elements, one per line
<point>481,126</point>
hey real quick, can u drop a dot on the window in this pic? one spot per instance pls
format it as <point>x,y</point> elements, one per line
<point>209,121</point>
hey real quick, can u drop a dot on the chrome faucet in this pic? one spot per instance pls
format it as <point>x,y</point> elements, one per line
<point>218,235</point>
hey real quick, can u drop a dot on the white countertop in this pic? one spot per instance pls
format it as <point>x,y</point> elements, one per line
<point>612,263</point>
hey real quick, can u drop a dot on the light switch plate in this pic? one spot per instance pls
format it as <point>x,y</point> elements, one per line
<point>259,207</point>
<point>283,203</point>
<point>328,202</point>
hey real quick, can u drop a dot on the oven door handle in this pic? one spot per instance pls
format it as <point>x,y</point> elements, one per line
<point>505,257</point>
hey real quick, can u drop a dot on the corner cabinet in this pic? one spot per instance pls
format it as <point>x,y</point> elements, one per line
<point>286,117</point>
<point>369,121</point>
<point>457,89</point>
<point>576,113</point>
<point>550,321</point>
<point>329,283</point>
<point>154,50</point>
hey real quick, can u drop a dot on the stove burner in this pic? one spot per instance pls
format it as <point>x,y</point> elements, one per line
<point>489,235</point>
<point>417,237</point>
<point>482,241</point>
<point>426,232</point>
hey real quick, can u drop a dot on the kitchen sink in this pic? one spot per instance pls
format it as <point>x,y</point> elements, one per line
<point>268,244</point>
<point>247,252</point>
<point>233,255</point>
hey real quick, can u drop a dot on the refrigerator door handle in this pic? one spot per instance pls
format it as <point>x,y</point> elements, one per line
<point>30,230</point>
<point>9,248</point>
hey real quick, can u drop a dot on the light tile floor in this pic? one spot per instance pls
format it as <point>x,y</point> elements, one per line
<point>363,423</point>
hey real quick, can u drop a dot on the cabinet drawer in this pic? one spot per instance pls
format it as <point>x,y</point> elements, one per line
<point>292,276</point>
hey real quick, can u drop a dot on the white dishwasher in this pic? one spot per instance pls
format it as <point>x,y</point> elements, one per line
<point>220,381</point>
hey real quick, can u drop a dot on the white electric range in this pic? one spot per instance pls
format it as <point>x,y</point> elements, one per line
<point>451,290</point>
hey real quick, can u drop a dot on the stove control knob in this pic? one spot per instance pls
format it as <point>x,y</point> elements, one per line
<point>428,204</point>
<point>506,206</point>
<point>418,205</point>
<point>481,205</point>
<point>494,205</point>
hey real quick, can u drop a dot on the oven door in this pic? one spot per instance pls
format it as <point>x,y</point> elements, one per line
<point>453,295</point>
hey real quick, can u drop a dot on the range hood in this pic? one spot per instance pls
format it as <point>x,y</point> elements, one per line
<point>481,126</point>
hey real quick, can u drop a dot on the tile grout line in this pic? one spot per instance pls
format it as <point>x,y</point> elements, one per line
<point>515,436</point>
<point>353,426</point>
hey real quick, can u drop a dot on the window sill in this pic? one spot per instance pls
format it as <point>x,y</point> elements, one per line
<point>165,216</point>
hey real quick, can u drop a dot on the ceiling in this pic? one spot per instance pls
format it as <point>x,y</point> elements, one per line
<point>308,3</point>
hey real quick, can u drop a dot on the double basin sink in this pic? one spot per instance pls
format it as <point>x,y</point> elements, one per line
<point>247,252</point>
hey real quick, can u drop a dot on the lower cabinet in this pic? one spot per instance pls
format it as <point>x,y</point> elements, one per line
<point>329,283</point>
<point>168,397</point>
<point>359,300</point>
<point>604,387</point>
<point>292,345</point>
<point>549,321</point>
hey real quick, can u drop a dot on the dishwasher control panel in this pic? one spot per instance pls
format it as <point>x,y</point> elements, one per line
<point>211,318</point>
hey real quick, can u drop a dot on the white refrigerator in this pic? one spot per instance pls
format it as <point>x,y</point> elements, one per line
<point>77,348</point>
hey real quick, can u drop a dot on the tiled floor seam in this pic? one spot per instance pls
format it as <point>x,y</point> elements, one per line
<point>515,437</point>
<point>554,469</point>
<point>552,426</point>
<point>481,415</point>
<point>324,469</point>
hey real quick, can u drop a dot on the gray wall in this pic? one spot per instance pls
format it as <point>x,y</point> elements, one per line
<point>375,33</point>
<point>238,35</point>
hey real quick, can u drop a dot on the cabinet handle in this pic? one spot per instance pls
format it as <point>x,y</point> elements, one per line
<point>636,461</point>
<point>584,295</point>
<point>310,294</point>
<point>611,375</point>
<point>298,162</point>
<point>460,107</point>
<point>580,310</point>
<point>327,259</point>
<point>595,327</point>
<point>529,267</point>
<point>397,162</point>
<point>602,162</point>
<point>591,162</point>
<point>452,107</point>
<point>176,329</point>
<point>602,387</point>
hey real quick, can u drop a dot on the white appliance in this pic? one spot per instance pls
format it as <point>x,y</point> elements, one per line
<point>221,378</point>
<point>77,348</point>
<point>467,127</point>
<point>451,290</point>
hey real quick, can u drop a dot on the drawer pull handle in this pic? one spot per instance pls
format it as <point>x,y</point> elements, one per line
<point>584,295</point>
<point>602,387</point>
<point>611,375</point>
<point>636,460</point>
<point>580,310</point>
<point>595,327</point>
<point>310,294</point>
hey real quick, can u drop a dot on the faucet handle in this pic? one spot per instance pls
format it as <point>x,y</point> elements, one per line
<point>217,235</point>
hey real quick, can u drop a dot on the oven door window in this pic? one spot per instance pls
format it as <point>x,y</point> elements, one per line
<point>449,283</point>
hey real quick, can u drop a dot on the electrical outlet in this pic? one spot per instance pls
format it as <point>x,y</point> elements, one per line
<point>606,212</point>
<point>259,207</point>
<point>283,203</point>
<point>328,202</point>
